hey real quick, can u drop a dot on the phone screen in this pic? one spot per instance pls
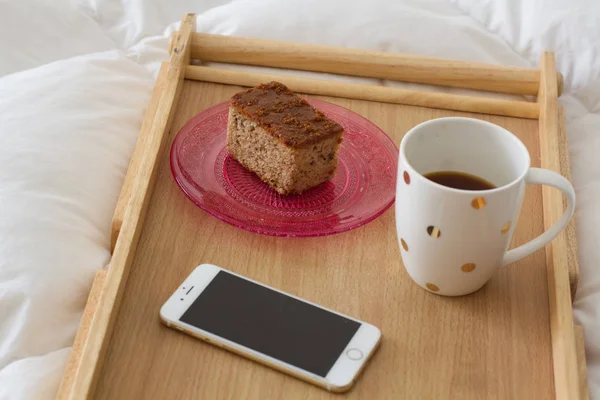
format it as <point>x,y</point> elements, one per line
<point>271,323</point>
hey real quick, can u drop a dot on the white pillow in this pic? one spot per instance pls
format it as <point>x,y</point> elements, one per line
<point>129,22</point>
<point>66,133</point>
<point>37,32</point>
<point>569,28</point>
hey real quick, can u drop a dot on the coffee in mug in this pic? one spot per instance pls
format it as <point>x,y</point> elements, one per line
<point>459,180</point>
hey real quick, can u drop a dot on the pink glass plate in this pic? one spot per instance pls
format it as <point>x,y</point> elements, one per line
<point>362,189</point>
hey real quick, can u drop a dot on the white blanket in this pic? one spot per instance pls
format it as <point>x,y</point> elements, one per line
<point>75,77</point>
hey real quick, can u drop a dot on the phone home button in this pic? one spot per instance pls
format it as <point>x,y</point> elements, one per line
<point>354,354</point>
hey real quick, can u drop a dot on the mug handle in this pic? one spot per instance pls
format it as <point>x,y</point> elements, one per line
<point>545,177</point>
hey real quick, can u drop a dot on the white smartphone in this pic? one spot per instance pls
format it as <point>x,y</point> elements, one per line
<point>264,324</point>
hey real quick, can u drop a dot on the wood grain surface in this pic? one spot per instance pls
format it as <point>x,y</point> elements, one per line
<point>570,232</point>
<point>66,385</point>
<point>446,101</point>
<point>564,353</point>
<point>493,344</point>
<point>367,63</point>
<point>101,328</point>
<point>581,363</point>
<point>141,147</point>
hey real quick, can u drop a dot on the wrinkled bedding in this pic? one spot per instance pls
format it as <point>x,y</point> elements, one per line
<point>75,77</point>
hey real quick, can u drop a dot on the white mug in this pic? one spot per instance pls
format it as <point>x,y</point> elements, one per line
<point>452,240</point>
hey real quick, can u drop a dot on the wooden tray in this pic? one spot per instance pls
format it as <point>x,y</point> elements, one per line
<point>513,339</point>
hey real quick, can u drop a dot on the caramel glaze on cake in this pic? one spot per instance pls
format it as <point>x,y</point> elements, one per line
<point>284,115</point>
<point>282,138</point>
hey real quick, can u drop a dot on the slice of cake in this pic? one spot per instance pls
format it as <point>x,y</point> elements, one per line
<point>288,143</point>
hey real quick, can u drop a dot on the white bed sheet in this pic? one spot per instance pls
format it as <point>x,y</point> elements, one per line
<point>507,32</point>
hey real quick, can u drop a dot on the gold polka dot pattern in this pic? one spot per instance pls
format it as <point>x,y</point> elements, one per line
<point>404,245</point>
<point>432,287</point>
<point>470,267</point>
<point>478,203</point>
<point>434,231</point>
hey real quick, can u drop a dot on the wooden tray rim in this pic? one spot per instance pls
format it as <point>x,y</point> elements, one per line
<point>97,322</point>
